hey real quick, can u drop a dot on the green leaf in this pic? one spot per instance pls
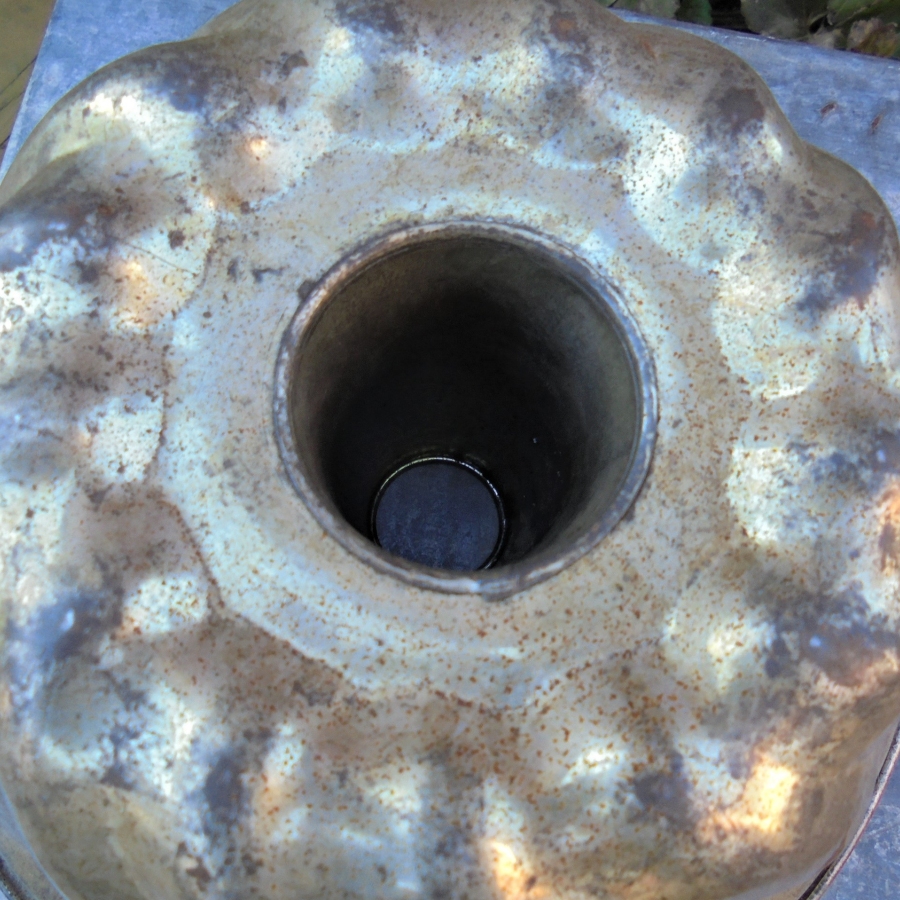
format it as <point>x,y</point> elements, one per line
<point>697,11</point>
<point>841,12</point>
<point>844,10</point>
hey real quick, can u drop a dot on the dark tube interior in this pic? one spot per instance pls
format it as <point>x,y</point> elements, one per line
<point>476,349</point>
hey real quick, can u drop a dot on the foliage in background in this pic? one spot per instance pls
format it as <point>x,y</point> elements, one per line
<point>864,26</point>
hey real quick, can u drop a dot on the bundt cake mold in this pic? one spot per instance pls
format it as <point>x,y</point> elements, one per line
<point>238,272</point>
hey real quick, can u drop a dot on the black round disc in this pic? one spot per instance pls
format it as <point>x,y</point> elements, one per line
<point>439,512</point>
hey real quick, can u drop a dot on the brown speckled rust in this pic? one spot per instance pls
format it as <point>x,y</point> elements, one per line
<point>204,695</point>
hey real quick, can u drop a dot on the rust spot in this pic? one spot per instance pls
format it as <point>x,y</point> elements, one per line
<point>200,873</point>
<point>648,48</point>
<point>176,238</point>
<point>564,27</point>
<point>828,109</point>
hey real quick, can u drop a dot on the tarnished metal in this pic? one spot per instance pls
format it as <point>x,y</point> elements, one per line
<point>205,694</point>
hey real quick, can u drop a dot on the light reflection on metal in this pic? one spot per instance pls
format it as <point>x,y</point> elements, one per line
<point>204,695</point>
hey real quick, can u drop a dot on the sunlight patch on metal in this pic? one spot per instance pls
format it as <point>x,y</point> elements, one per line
<point>248,278</point>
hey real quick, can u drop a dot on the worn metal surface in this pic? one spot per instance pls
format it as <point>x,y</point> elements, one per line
<point>845,103</point>
<point>205,695</point>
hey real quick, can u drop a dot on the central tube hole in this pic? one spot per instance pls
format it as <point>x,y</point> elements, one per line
<point>463,401</point>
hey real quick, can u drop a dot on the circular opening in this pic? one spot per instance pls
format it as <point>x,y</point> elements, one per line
<point>439,512</point>
<point>468,397</point>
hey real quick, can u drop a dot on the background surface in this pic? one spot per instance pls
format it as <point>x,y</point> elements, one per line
<point>22,24</point>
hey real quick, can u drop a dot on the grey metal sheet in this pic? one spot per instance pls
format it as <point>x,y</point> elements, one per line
<point>846,104</point>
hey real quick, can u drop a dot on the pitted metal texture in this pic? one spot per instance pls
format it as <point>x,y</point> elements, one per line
<point>204,694</point>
